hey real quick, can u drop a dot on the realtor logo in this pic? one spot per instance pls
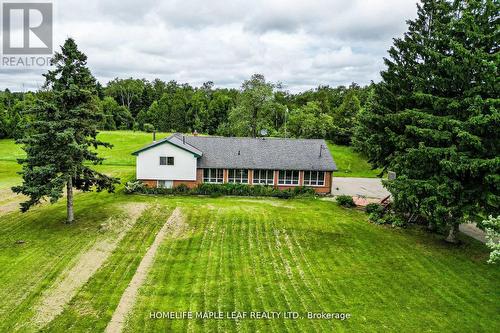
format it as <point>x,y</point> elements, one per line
<point>27,28</point>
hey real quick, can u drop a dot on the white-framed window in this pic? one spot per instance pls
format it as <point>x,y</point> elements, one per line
<point>164,183</point>
<point>166,160</point>
<point>263,177</point>
<point>314,178</point>
<point>213,175</point>
<point>288,177</point>
<point>238,176</point>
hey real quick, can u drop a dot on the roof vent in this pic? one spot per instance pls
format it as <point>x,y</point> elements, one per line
<point>321,150</point>
<point>239,153</point>
<point>183,140</point>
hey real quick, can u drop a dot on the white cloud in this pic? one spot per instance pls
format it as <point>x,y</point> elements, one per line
<point>298,42</point>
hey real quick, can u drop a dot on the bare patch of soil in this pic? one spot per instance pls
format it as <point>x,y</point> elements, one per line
<point>9,201</point>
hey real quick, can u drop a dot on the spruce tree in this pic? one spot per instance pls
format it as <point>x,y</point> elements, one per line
<point>434,119</point>
<point>60,142</point>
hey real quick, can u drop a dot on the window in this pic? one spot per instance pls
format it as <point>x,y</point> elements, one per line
<point>314,178</point>
<point>288,177</point>
<point>238,176</point>
<point>164,160</point>
<point>164,183</point>
<point>213,175</point>
<point>263,177</point>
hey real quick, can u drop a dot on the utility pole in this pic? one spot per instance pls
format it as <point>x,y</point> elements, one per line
<point>286,112</point>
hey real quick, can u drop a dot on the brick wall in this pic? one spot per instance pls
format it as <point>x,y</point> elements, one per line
<point>149,183</point>
<point>191,183</point>
<point>199,179</point>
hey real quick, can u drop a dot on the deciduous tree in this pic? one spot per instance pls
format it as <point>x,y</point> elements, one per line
<point>344,118</point>
<point>251,113</point>
<point>309,122</point>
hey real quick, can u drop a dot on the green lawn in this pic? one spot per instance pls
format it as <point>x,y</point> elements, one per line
<point>125,142</point>
<point>350,163</point>
<point>240,254</point>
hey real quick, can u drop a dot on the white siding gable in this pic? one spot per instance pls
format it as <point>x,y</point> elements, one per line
<point>148,163</point>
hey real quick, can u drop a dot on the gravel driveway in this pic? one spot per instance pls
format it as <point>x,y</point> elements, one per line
<point>365,187</point>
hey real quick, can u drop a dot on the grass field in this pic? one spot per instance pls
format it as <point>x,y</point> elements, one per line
<point>235,254</point>
<point>350,163</point>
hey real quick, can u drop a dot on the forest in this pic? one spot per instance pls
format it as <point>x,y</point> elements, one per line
<point>138,104</point>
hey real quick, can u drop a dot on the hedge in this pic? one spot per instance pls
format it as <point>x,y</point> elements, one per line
<point>223,189</point>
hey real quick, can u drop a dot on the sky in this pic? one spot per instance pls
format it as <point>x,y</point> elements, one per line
<point>300,43</point>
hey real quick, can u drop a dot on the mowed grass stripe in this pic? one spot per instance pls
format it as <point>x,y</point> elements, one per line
<point>225,288</point>
<point>264,284</point>
<point>299,263</point>
<point>276,268</point>
<point>246,300</point>
<point>204,225</point>
<point>237,269</point>
<point>330,297</point>
<point>432,272</point>
<point>310,292</point>
<point>300,303</point>
<point>210,283</point>
<point>291,267</point>
<point>183,263</point>
<point>275,285</point>
<point>444,281</point>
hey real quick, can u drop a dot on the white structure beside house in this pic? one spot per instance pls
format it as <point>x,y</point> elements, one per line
<point>179,164</point>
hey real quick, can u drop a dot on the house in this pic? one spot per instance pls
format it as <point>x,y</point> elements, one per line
<point>191,160</point>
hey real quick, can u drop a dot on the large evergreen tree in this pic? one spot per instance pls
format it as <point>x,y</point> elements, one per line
<point>434,118</point>
<point>60,141</point>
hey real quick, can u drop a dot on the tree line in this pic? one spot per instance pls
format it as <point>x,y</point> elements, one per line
<point>138,104</point>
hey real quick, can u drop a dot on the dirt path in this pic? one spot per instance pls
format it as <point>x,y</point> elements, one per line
<point>173,226</point>
<point>66,286</point>
<point>9,201</point>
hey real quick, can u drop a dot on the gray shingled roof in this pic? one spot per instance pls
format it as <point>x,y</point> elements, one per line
<point>254,153</point>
